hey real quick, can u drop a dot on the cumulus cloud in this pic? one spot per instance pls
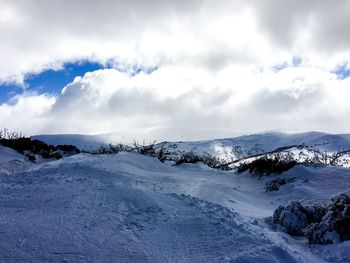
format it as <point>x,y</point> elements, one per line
<point>27,113</point>
<point>320,23</point>
<point>37,35</point>
<point>221,65</point>
<point>294,99</point>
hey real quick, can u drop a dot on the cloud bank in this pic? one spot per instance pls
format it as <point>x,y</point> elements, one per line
<point>293,99</point>
<point>243,66</point>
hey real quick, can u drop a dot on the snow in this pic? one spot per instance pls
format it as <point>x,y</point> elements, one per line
<point>300,146</point>
<point>84,142</point>
<point>8,154</point>
<point>127,207</point>
<point>246,144</point>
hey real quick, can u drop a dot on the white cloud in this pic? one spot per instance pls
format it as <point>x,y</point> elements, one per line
<point>215,64</point>
<point>27,113</point>
<point>294,99</point>
<point>43,34</point>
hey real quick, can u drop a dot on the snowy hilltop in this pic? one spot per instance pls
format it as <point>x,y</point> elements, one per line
<point>271,197</point>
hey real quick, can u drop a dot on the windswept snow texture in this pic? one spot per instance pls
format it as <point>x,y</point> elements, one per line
<point>127,207</point>
<point>132,208</point>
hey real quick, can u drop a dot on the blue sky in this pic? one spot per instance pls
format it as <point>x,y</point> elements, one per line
<point>49,81</point>
<point>7,91</point>
<point>52,81</point>
<point>296,61</point>
<point>342,72</point>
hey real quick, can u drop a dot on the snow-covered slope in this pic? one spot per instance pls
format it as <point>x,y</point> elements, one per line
<point>249,145</point>
<point>131,208</point>
<point>84,142</point>
<point>87,142</point>
<point>230,148</point>
<point>8,154</point>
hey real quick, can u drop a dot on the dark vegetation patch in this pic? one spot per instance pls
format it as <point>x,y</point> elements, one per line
<point>192,157</point>
<point>32,148</point>
<point>112,149</point>
<point>274,185</point>
<point>188,157</point>
<point>321,224</point>
<point>267,165</point>
<point>151,149</point>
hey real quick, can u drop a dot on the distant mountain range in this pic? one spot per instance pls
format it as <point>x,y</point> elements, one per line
<point>261,142</point>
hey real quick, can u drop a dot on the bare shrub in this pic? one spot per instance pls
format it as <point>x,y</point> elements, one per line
<point>112,149</point>
<point>274,185</point>
<point>188,157</point>
<point>145,149</point>
<point>211,161</point>
<point>30,148</point>
<point>320,157</point>
<point>10,135</point>
<point>319,223</point>
<point>267,165</point>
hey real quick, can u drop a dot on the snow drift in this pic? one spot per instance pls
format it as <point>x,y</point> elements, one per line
<point>127,207</point>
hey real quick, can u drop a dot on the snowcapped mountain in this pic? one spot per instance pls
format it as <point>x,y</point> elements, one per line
<point>266,142</point>
<point>127,207</point>
<point>88,142</point>
<point>302,147</point>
